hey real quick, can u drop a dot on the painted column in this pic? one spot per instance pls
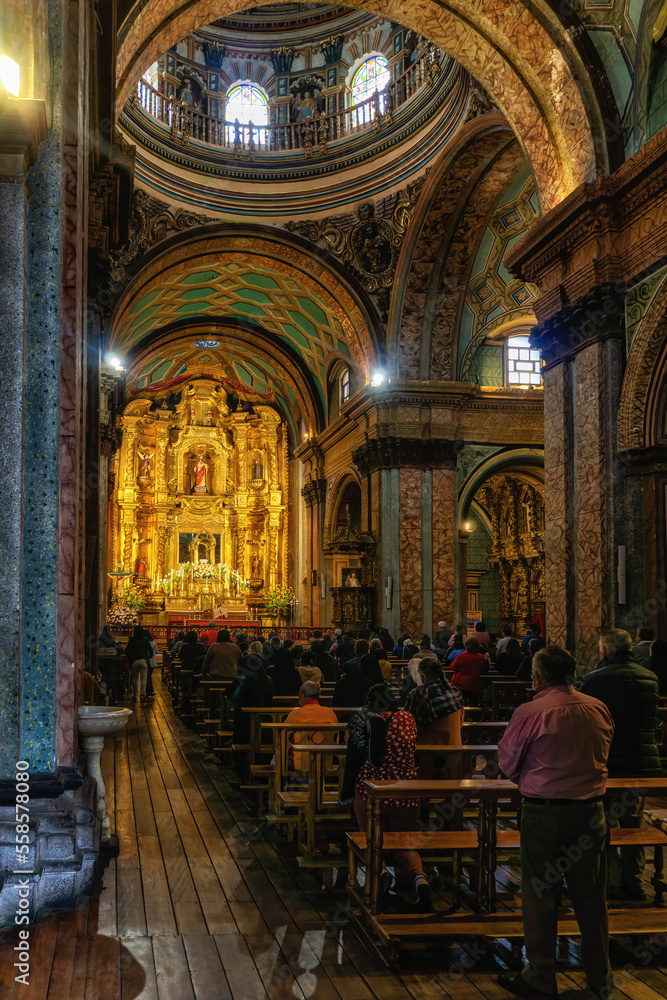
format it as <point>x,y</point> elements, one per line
<point>410,548</point>
<point>557,495</point>
<point>444,535</point>
<point>581,347</point>
<point>413,522</point>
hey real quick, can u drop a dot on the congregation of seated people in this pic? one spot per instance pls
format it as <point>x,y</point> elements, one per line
<point>569,734</point>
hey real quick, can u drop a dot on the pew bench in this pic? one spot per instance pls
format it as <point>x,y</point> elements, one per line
<point>390,929</point>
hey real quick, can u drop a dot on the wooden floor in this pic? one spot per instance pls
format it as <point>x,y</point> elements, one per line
<point>201,904</point>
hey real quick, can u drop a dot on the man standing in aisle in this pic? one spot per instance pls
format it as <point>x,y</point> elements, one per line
<point>556,748</point>
<point>631,693</point>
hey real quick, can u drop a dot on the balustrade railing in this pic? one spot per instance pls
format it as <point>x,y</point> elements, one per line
<point>310,135</point>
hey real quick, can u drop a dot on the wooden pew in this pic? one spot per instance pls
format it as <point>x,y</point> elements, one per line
<point>282,746</point>
<point>320,801</point>
<point>393,928</point>
<point>506,696</point>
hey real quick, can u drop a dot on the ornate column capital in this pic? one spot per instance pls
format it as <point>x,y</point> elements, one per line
<point>598,315</point>
<point>314,491</point>
<point>407,453</point>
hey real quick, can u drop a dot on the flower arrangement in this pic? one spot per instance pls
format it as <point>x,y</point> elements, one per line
<point>133,598</point>
<point>122,617</point>
<point>278,599</point>
<point>235,577</point>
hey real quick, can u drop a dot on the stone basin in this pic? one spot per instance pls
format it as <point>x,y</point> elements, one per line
<point>102,720</point>
<point>96,722</point>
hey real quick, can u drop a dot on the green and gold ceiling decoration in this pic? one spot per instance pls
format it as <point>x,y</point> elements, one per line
<point>283,291</point>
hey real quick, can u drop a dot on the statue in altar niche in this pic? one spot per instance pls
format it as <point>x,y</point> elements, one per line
<point>200,475</point>
<point>255,566</point>
<point>144,463</point>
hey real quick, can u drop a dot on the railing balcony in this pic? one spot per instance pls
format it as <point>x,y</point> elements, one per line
<point>311,135</point>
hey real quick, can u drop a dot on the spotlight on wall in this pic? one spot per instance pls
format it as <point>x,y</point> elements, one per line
<point>115,362</point>
<point>377,378</point>
<point>10,73</point>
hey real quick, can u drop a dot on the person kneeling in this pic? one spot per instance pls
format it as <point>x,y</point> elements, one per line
<point>384,737</point>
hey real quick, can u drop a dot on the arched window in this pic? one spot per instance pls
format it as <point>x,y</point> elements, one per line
<point>523,363</point>
<point>372,75</point>
<point>247,103</point>
<point>345,386</point>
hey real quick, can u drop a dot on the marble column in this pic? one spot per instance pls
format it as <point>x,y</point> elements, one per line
<point>314,493</point>
<point>413,521</point>
<point>582,349</point>
<point>28,159</point>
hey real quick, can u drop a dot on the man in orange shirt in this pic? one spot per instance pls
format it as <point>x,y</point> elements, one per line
<point>309,713</point>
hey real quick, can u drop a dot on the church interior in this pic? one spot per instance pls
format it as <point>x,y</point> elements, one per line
<point>328,324</point>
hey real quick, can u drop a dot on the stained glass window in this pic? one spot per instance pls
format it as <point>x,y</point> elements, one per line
<point>248,104</point>
<point>150,76</point>
<point>524,363</point>
<point>371,76</point>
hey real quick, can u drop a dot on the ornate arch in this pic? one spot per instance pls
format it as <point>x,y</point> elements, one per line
<point>334,495</point>
<point>516,459</point>
<point>238,338</point>
<point>644,376</point>
<point>214,248</point>
<point>436,259</point>
<point>521,53</point>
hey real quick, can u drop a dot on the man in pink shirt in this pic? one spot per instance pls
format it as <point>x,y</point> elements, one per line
<point>556,748</point>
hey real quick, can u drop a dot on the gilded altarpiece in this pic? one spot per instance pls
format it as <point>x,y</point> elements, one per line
<point>198,513</point>
<point>516,512</point>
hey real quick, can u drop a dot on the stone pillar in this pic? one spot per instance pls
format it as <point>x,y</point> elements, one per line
<point>581,346</point>
<point>23,129</point>
<point>314,493</point>
<point>413,521</point>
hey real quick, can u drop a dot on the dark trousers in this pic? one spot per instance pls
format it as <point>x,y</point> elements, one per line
<point>564,839</point>
<point>626,864</point>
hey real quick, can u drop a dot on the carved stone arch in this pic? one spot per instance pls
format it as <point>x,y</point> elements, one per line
<point>453,211</point>
<point>334,496</point>
<point>644,377</point>
<point>502,462</point>
<point>525,55</point>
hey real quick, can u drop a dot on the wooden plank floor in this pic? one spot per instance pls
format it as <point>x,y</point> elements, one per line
<point>202,904</point>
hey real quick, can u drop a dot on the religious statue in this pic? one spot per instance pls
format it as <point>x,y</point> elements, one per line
<point>257,471</point>
<point>255,566</point>
<point>142,569</point>
<point>193,415</point>
<point>200,473</point>
<point>352,580</point>
<point>209,417</point>
<point>144,463</point>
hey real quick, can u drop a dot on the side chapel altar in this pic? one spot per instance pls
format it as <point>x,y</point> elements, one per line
<point>199,512</point>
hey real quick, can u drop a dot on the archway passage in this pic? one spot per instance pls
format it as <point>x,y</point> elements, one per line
<point>503,542</point>
<point>521,54</point>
